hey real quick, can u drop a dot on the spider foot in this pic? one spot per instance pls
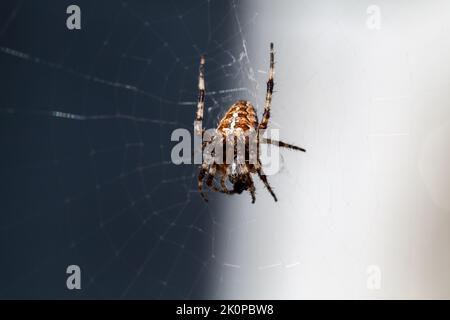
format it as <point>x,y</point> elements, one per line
<point>204,196</point>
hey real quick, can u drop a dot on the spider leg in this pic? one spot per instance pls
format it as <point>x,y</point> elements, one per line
<point>263,178</point>
<point>251,188</point>
<point>201,97</point>
<point>270,85</point>
<point>224,186</point>
<point>201,175</point>
<point>210,178</point>
<point>282,144</point>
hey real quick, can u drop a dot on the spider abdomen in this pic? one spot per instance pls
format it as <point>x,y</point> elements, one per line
<point>240,117</point>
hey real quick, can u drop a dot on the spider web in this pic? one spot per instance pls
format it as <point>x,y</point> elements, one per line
<point>86,117</point>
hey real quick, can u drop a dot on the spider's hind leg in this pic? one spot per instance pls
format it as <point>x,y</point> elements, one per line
<point>269,92</point>
<point>201,97</point>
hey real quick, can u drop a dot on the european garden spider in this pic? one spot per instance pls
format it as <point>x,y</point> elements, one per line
<point>240,119</point>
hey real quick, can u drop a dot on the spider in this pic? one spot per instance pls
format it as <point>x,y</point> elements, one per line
<point>240,118</point>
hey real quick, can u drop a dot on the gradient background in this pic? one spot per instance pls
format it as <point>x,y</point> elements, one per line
<point>86,177</point>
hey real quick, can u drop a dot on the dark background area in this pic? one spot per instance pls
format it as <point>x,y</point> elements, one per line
<point>85,122</point>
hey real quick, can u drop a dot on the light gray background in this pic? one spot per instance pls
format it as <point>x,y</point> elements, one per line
<point>372,109</point>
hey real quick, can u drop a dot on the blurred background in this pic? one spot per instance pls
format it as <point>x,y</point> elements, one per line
<point>87,179</point>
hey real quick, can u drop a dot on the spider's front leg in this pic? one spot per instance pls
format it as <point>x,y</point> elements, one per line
<point>223,184</point>
<point>263,178</point>
<point>251,188</point>
<point>201,176</point>
<point>210,178</point>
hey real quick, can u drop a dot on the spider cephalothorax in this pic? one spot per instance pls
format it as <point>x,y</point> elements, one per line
<point>240,123</point>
